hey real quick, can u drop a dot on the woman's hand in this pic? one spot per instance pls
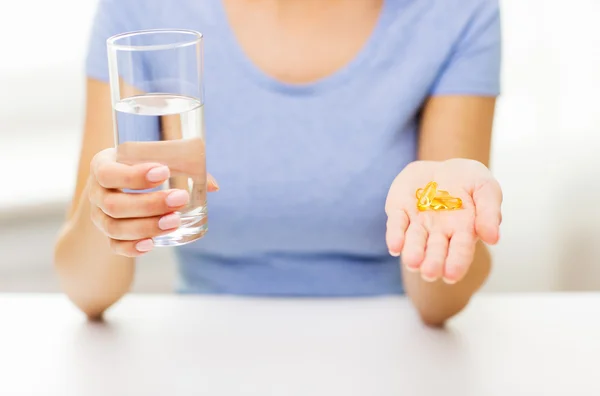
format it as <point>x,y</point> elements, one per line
<point>441,244</point>
<point>130,220</point>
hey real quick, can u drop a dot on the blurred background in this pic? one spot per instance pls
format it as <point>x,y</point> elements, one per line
<point>546,148</point>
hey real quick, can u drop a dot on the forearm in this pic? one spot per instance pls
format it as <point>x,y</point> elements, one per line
<point>437,302</point>
<point>91,275</point>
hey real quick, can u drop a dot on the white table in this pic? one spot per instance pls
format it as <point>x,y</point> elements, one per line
<point>168,345</point>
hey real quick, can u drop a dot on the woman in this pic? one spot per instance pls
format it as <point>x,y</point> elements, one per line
<point>325,117</point>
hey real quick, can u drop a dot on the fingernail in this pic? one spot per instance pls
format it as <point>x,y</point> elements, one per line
<point>213,183</point>
<point>394,254</point>
<point>428,278</point>
<point>178,198</point>
<point>411,269</point>
<point>158,174</point>
<point>448,281</point>
<point>144,246</point>
<point>169,221</point>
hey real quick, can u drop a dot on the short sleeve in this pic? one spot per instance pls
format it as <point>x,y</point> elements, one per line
<point>473,67</point>
<point>106,23</point>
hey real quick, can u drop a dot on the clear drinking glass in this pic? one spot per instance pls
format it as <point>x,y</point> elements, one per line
<point>156,83</point>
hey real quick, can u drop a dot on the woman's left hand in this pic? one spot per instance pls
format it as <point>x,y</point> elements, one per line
<point>441,244</point>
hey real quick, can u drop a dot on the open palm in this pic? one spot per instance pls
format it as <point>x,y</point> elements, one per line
<point>441,244</point>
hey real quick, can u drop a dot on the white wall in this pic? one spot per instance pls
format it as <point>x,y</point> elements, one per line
<point>41,97</point>
<point>546,142</point>
<point>546,147</point>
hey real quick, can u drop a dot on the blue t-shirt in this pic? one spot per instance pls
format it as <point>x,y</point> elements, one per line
<point>304,170</point>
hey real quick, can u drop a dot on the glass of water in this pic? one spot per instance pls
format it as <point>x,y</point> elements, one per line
<point>156,83</point>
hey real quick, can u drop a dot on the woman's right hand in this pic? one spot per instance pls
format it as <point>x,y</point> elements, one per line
<point>131,220</point>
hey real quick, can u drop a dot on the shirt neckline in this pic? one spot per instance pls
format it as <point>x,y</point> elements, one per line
<point>339,76</point>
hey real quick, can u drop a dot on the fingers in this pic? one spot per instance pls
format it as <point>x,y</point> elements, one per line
<point>413,251</point>
<point>432,267</point>
<point>397,224</point>
<point>113,175</point>
<point>131,220</point>
<point>460,256</point>
<point>131,248</point>
<point>134,229</point>
<point>121,205</point>
<point>488,215</point>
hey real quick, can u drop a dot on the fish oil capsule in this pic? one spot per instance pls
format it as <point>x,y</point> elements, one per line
<point>436,205</point>
<point>447,203</point>
<point>428,194</point>
<point>440,193</point>
<point>430,198</point>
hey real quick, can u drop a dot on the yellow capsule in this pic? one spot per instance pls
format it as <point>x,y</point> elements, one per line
<point>447,203</point>
<point>440,193</point>
<point>438,206</point>
<point>428,194</point>
<point>430,198</point>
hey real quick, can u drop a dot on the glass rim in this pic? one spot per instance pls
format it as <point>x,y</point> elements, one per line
<point>195,38</point>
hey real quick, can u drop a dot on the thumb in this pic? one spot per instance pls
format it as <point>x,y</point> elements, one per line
<point>488,215</point>
<point>212,183</point>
